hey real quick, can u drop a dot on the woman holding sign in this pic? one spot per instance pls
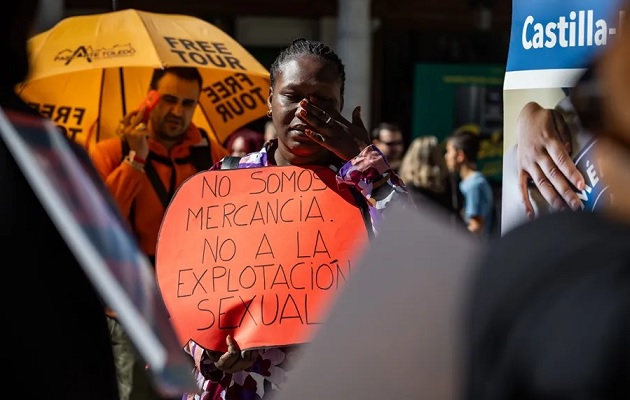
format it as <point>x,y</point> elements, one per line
<point>305,103</point>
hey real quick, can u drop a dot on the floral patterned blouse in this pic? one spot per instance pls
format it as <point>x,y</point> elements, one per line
<point>369,173</point>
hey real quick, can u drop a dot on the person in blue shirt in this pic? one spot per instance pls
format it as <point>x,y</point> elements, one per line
<point>461,156</point>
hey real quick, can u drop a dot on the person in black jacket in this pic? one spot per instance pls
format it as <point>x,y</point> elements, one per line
<point>56,339</point>
<point>424,171</point>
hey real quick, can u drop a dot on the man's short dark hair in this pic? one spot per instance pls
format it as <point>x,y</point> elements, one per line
<point>466,141</point>
<point>186,73</point>
<point>376,132</point>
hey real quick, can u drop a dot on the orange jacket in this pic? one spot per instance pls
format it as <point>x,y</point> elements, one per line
<point>131,188</point>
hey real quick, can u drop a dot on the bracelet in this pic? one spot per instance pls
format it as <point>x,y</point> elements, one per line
<point>135,161</point>
<point>133,156</point>
<point>139,159</point>
<point>134,164</point>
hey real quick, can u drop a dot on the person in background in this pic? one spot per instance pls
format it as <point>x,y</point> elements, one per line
<point>142,166</point>
<point>56,333</point>
<point>270,131</point>
<point>549,305</point>
<point>244,141</point>
<point>305,103</point>
<point>461,156</point>
<point>425,173</point>
<point>169,147</point>
<point>388,138</point>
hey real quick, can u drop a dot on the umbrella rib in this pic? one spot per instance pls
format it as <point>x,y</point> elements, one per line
<point>214,132</point>
<point>139,15</point>
<point>121,75</point>
<point>100,106</point>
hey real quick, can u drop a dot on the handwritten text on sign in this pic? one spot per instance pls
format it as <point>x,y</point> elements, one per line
<point>257,253</point>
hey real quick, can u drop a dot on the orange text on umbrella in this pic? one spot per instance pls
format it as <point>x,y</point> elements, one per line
<point>201,52</point>
<point>67,118</point>
<point>234,96</point>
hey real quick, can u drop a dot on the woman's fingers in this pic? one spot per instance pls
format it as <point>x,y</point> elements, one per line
<point>356,117</point>
<point>358,121</point>
<point>562,130</point>
<point>544,149</point>
<point>319,118</point>
<point>235,360</point>
<point>558,180</point>
<point>523,180</point>
<point>546,188</point>
<point>331,130</point>
<point>316,136</point>
<point>562,159</point>
<point>233,346</point>
<point>214,355</point>
<point>249,355</point>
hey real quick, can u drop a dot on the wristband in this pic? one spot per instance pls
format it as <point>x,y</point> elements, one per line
<point>139,159</point>
<point>133,156</point>
<point>135,161</point>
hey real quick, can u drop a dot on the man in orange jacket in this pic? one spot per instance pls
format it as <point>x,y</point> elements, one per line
<point>165,147</point>
<point>158,148</point>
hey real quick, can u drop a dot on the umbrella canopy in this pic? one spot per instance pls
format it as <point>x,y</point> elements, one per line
<point>90,70</point>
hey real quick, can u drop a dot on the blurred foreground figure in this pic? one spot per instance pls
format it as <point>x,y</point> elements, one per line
<point>550,310</point>
<point>401,315</point>
<point>58,344</point>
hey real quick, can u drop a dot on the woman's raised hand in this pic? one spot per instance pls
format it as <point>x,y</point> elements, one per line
<point>331,130</point>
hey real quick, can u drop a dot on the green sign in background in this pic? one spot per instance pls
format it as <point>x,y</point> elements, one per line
<point>447,96</point>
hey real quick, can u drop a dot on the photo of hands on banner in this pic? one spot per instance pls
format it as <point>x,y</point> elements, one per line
<point>548,159</point>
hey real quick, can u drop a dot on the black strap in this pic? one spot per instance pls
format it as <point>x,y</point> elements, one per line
<point>365,210</point>
<point>125,148</point>
<point>200,155</point>
<point>230,162</point>
<point>163,194</point>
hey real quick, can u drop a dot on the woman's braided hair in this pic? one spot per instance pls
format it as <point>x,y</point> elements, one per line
<point>301,47</point>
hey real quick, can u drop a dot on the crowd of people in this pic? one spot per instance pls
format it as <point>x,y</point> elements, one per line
<point>517,348</point>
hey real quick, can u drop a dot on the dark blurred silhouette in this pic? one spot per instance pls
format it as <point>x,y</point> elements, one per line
<point>401,314</point>
<point>425,173</point>
<point>55,329</point>
<point>389,139</point>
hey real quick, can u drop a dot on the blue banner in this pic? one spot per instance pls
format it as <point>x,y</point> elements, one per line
<point>560,34</point>
<point>595,195</point>
<point>551,44</point>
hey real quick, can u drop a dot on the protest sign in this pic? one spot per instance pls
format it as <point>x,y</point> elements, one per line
<point>551,44</point>
<point>256,253</point>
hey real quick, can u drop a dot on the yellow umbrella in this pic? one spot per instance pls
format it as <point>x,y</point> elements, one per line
<point>90,70</point>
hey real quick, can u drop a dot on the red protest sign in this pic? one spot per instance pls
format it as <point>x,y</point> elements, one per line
<point>256,253</point>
